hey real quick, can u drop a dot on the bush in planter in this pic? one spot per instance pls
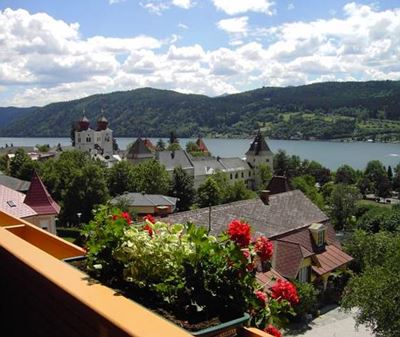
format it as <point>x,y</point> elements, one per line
<point>308,295</point>
<point>189,275</point>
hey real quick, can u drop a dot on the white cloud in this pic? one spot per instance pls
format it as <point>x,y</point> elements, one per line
<point>155,7</point>
<point>290,7</point>
<point>235,25</point>
<point>112,2</point>
<point>43,60</point>
<point>185,4</point>
<point>233,7</point>
<point>182,26</point>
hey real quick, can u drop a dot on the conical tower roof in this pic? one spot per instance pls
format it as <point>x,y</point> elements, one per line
<point>39,199</point>
<point>258,145</point>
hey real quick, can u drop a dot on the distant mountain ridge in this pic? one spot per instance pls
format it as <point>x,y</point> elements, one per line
<point>154,113</point>
<point>9,114</point>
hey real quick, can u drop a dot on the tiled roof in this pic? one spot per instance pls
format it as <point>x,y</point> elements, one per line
<point>12,202</point>
<point>14,183</point>
<point>331,259</point>
<point>139,199</point>
<point>172,159</point>
<point>39,198</point>
<point>285,212</point>
<point>287,258</point>
<point>278,184</point>
<point>206,165</point>
<point>139,150</point>
<point>268,279</point>
<point>234,164</point>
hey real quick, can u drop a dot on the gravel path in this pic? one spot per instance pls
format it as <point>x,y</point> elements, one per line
<point>334,323</point>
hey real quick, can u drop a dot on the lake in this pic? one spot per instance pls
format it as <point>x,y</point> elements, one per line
<point>329,154</point>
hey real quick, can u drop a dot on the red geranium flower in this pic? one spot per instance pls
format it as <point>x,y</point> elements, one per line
<point>262,297</point>
<point>273,331</point>
<point>263,248</point>
<point>148,229</point>
<point>149,218</point>
<point>239,232</point>
<point>284,290</point>
<point>127,217</point>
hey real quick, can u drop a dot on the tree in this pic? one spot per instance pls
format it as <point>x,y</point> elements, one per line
<point>182,187</point>
<point>281,163</point>
<point>342,204</point>
<point>320,173</point>
<point>396,178</point>
<point>306,184</point>
<point>115,145</point>
<point>21,165</point>
<point>151,177</point>
<point>380,219</point>
<point>222,180</point>
<point>4,164</point>
<point>192,147</point>
<point>376,174</point>
<point>263,175</point>
<point>390,173</point>
<point>174,147</point>
<point>239,191</point>
<point>160,146</point>
<point>209,193</point>
<point>120,178</point>
<point>345,174</point>
<point>375,292</point>
<point>77,182</point>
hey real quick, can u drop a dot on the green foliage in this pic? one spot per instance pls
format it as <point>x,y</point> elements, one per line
<point>209,193</point>
<point>182,187</point>
<point>306,184</point>
<point>377,179</point>
<point>188,273</point>
<point>264,175</point>
<point>4,164</point>
<point>321,110</point>
<point>43,148</point>
<point>308,299</point>
<point>345,174</point>
<point>150,177</point>
<point>342,203</point>
<point>375,291</point>
<point>120,178</point>
<point>160,146</point>
<point>21,165</point>
<point>77,182</point>
<point>239,191</point>
<point>380,219</point>
<point>174,147</point>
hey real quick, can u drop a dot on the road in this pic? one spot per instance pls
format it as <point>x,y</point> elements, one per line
<point>334,323</point>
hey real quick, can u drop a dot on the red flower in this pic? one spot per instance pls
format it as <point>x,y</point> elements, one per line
<point>148,229</point>
<point>127,217</point>
<point>284,290</point>
<point>261,297</point>
<point>115,217</point>
<point>247,256</point>
<point>273,331</point>
<point>263,248</point>
<point>239,232</point>
<point>149,218</point>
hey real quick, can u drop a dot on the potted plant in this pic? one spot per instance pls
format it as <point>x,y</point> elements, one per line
<point>203,283</point>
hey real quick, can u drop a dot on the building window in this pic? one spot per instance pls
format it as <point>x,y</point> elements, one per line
<point>231,176</point>
<point>236,175</point>
<point>242,174</point>
<point>249,174</point>
<point>304,274</point>
<point>88,140</point>
<point>267,160</point>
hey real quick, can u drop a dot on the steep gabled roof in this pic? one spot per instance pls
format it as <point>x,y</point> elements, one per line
<point>172,159</point>
<point>202,146</point>
<point>139,150</point>
<point>140,199</point>
<point>258,145</point>
<point>39,199</point>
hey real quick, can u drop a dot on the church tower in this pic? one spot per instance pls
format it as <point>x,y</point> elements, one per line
<point>259,153</point>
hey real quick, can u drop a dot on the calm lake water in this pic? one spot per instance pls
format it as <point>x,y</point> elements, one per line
<point>329,154</point>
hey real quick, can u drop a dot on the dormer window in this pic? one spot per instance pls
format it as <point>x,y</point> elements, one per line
<point>318,232</point>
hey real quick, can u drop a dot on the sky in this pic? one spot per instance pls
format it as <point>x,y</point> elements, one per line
<point>59,50</point>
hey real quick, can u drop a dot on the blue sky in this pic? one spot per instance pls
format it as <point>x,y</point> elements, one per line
<point>55,50</point>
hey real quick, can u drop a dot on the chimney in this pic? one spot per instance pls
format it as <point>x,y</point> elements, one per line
<point>172,154</point>
<point>264,196</point>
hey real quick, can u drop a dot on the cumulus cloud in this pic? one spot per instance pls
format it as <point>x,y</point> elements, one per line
<point>233,7</point>
<point>43,60</point>
<point>185,4</point>
<point>237,25</point>
<point>157,7</point>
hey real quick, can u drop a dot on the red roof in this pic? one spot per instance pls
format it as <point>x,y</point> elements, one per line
<point>39,198</point>
<point>149,145</point>
<point>269,278</point>
<point>12,202</point>
<point>331,259</point>
<point>202,146</point>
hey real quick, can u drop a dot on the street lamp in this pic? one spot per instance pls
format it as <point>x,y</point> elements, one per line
<point>79,214</point>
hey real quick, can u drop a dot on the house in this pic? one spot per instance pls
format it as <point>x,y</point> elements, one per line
<point>143,204</point>
<point>178,158</point>
<point>202,146</point>
<point>305,245</point>
<point>37,206</point>
<point>141,149</point>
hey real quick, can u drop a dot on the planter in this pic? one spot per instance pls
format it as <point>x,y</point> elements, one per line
<point>226,329</point>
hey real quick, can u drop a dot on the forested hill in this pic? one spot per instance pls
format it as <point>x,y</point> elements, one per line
<point>9,114</point>
<point>321,110</point>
